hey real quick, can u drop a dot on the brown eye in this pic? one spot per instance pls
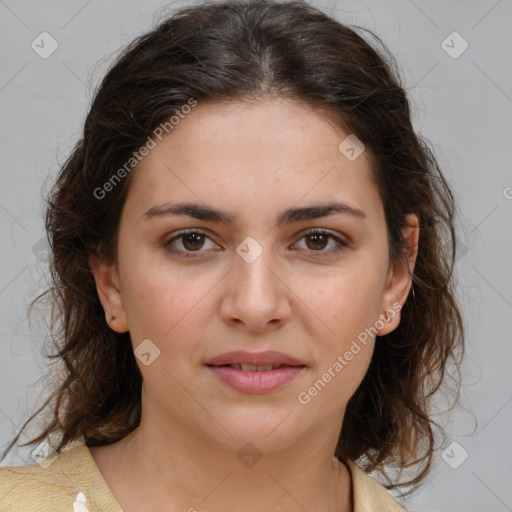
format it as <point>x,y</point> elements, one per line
<point>191,241</point>
<point>318,241</point>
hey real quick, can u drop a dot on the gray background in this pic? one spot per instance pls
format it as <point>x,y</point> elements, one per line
<point>463,105</point>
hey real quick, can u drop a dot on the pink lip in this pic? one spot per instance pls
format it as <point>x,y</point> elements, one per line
<point>255,358</point>
<point>254,381</point>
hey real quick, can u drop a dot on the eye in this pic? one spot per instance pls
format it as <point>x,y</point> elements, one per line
<point>318,239</point>
<point>192,240</point>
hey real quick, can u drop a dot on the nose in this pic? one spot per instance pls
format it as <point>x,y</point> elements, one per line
<point>256,294</point>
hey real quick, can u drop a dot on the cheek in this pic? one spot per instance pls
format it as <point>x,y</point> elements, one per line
<point>161,301</point>
<point>346,300</point>
<point>330,389</point>
<point>347,303</point>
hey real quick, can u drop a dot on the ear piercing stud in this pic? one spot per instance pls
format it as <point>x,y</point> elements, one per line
<point>386,317</point>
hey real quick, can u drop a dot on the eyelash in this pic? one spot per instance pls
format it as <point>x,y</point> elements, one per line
<point>342,244</point>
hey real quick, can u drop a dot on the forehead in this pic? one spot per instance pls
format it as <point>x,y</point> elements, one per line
<point>253,156</point>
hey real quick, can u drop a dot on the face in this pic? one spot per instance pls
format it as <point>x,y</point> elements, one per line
<point>304,284</point>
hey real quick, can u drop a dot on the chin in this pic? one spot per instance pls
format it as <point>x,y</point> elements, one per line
<point>269,428</point>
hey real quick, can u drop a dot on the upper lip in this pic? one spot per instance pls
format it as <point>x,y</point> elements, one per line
<point>270,357</point>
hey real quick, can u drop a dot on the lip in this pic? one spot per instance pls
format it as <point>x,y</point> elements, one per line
<point>254,358</point>
<point>255,381</point>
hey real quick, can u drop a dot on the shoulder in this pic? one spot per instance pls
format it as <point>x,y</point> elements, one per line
<point>370,495</point>
<point>51,485</point>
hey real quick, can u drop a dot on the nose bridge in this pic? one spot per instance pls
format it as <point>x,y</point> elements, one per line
<point>255,259</point>
<point>256,295</point>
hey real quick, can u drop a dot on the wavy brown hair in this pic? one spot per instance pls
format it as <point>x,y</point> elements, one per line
<point>252,51</point>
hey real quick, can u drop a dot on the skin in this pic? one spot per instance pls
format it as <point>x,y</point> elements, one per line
<point>254,161</point>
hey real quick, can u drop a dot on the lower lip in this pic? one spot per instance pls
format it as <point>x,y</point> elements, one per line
<point>256,382</point>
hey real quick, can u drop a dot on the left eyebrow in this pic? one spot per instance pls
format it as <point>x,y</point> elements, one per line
<point>208,213</point>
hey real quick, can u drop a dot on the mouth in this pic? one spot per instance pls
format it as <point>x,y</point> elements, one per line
<point>254,373</point>
<point>254,361</point>
<point>254,367</point>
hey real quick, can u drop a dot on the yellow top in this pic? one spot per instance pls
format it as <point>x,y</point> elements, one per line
<point>72,482</point>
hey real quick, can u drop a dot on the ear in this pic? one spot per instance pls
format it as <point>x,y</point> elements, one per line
<point>109,291</point>
<point>399,278</point>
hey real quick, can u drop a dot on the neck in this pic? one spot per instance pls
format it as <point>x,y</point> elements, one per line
<point>147,470</point>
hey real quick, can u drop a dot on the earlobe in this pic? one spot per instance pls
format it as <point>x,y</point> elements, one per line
<point>399,279</point>
<point>389,320</point>
<point>109,292</point>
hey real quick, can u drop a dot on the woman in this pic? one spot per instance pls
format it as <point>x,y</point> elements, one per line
<point>252,254</point>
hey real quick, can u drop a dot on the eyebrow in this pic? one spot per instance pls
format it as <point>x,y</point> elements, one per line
<point>208,213</point>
